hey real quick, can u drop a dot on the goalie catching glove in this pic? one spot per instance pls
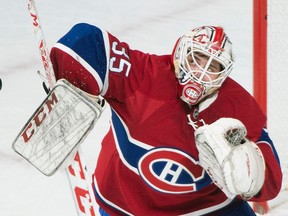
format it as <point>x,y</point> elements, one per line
<point>235,164</point>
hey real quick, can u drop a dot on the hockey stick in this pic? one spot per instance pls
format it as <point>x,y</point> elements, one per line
<point>77,172</point>
<point>49,74</point>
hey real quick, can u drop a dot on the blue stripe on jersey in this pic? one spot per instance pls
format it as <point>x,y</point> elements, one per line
<point>88,42</point>
<point>102,212</point>
<point>130,151</point>
<point>265,138</point>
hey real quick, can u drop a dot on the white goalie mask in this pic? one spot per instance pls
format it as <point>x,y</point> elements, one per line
<point>203,59</point>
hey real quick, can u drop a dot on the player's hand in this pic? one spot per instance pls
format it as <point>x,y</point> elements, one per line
<point>235,164</point>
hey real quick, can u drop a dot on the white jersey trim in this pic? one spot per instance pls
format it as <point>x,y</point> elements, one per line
<point>211,209</point>
<point>132,140</point>
<point>106,200</point>
<point>107,50</point>
<point>195,213</point>
<point>207,102</point>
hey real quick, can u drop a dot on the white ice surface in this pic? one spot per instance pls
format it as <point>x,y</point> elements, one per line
<point>148,25</point>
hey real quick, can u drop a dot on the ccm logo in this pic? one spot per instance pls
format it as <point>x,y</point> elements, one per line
<point>170,170</point>
<point>40,116</point>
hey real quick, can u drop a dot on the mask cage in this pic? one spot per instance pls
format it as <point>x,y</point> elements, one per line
<point>189,49</point>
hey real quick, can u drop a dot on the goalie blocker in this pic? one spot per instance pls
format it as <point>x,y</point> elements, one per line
<point>57,127</point>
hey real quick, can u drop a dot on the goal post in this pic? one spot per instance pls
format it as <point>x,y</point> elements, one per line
<point>260,68</point>
<point>260,53</point>
<point>270,53</point>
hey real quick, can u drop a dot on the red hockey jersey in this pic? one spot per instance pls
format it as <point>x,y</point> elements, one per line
<point>148,163</point>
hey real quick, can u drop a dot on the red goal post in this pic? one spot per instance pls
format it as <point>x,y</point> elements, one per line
<point>260,53</point>
<point>270,80</point>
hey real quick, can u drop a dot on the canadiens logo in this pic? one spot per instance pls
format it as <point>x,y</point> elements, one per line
<point>192,91</point>
<point>171,171</point>
<point>167,170</point>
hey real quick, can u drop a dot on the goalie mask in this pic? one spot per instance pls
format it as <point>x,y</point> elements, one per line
<point>203,59</point>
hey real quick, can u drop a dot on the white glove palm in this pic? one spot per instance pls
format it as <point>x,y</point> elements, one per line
<point>234,163</point>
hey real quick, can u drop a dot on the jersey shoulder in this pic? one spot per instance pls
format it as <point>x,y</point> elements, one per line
<point>236,102</point>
